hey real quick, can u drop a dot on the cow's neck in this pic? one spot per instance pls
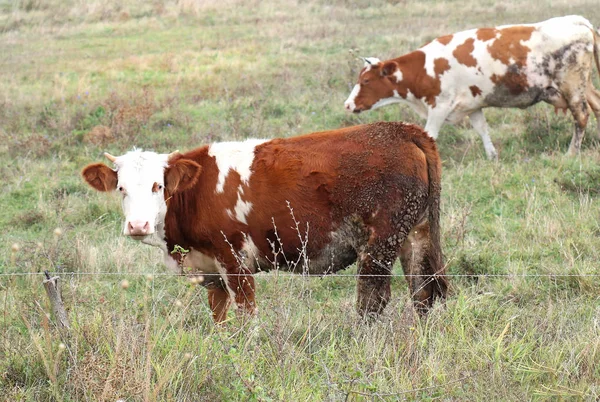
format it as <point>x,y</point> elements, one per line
<point>185,210</point>
<point>410,67</point>
<point>417,80</point>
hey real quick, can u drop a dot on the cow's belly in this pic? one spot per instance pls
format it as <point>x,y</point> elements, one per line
<point>332,258</point>
<point>504,96</point>
<point>337,254</point>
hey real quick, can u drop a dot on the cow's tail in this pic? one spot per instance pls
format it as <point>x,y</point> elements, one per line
<point>596,34</point>
<point>434,173</point>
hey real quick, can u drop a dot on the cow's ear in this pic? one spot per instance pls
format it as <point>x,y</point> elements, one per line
<point>181,174</point>
<point>389,68</point>
<point>100,176</point>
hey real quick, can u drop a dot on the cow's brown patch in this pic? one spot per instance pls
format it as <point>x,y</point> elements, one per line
<point>475,91</point>
<point>415,78</point>
<point>484,34</point>
<point>514,80</point>
<point>508,46</point>
<point>509,50</point>
<point>444,40</point>
<point>440,66</point>
<point>463,53</point>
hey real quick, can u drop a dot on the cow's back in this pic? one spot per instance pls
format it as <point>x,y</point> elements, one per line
<point>508,65</point>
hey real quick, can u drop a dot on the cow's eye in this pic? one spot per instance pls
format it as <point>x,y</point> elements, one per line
<point>120,188</point>
<point>365,82</point>
<point>156,187</point>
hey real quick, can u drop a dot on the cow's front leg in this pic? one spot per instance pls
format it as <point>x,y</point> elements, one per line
<point>242,285</point>
<point>219,301</point>
<point>435,120</point>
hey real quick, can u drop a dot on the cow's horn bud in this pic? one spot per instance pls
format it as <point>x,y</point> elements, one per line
<point>172,154</point>
<point>110,157</point>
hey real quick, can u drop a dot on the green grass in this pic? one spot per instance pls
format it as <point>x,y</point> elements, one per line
<point>81,78</point>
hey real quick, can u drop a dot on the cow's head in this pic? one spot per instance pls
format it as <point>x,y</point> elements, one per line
<point>145,180</point>
<point>375,87</point>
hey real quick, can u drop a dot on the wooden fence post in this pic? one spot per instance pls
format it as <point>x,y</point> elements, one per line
<point>58,308</point>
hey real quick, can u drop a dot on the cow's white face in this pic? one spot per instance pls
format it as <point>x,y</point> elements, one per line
<point>143,179</point>
<point>141,185</point>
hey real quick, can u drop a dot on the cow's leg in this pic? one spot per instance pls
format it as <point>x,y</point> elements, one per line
<point>243,288</point>
<point>480,125</point>
<point>435,121</point>
<point>377,258</point>
<point>593,98</point>
<point>219,301</point>
<point>426,281</point>
<point>373,286</point>
<point>579,108</point>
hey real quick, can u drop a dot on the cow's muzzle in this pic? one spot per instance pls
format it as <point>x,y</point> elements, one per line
<point>138,229</point>
<point>350,107</point>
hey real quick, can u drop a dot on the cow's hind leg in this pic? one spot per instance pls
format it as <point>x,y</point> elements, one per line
<point>374,270</point>
<point>593,98</point>
<point>574,90</point>
<point>480,125</point>
<point>579,109</point>
<point>376,260</point>
<point>426,281</point>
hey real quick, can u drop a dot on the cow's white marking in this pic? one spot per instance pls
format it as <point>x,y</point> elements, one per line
<point>350,102</point>
<point>370,62</point>
<point>236,156</point>
<point>398,75</point>
<point>199,263</point>
<point>223,272</point>
<point>241,210</point>
<point>250,255</point>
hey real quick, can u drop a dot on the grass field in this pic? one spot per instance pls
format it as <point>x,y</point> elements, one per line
<point>80,78</point>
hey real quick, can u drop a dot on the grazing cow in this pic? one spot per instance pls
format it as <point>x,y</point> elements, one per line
<point>508,66</point>
<point>312,204</point>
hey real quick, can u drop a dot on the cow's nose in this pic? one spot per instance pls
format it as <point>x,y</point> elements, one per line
<point>138,228</point>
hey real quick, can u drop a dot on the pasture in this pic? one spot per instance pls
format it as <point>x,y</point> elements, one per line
<point>520,236</point>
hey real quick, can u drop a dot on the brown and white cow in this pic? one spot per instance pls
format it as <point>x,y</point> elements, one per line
<point>311,204</point>
<point>508,66</point>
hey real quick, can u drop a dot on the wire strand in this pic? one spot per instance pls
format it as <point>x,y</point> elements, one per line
<point>301,275</point>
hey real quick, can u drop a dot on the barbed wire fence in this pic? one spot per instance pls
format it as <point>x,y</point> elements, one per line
<point>300,276</point>
<point>150,275</point>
